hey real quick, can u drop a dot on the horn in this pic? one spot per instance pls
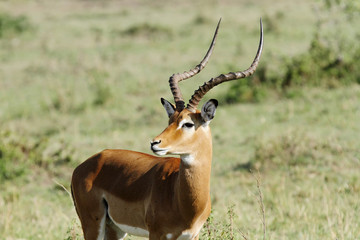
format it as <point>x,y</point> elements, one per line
<point>176,78</point>
<point>207,86</point>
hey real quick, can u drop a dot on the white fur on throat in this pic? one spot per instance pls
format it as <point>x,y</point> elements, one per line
<point>187,159</point>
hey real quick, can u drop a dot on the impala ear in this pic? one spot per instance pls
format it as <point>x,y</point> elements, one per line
<point>208,110</point>
<point>169,107</point>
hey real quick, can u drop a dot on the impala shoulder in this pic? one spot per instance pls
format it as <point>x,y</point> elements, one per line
<point>169,166</point>
<point>117,154</point>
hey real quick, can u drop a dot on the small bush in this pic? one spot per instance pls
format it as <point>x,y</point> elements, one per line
<point>11,26</point>
<point>201,19</point>
<point>55,153</point>
<point>148,31</point>
<point>18,154</point>
<point>9,167</point>
<point>101,90</point>
<point>321,66</point>
<point>248,90</point>
<point>64,101</point>
<point>291,149</point>
<point>272,22</point>
<point>12,156</point>
<point>331,60</point>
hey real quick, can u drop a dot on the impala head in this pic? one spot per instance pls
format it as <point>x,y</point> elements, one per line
<point>188,127</point>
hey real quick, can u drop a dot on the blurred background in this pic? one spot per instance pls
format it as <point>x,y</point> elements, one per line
<point>77,77</point>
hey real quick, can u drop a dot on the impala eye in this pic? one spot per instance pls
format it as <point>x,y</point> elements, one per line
<point>188,125</point>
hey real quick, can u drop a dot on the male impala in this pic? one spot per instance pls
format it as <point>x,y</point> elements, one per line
<point>119,191</point>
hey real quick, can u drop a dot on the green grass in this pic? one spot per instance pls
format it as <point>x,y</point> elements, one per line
<point>84,76</point>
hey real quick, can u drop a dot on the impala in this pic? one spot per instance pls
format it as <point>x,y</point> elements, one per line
<point>117,192</point>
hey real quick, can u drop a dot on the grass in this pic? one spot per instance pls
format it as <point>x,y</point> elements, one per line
<point>84,76</point>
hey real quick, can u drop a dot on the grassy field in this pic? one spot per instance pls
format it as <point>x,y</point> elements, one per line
<point>77,77</point>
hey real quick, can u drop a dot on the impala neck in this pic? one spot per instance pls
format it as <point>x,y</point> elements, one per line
<point>194,180</point>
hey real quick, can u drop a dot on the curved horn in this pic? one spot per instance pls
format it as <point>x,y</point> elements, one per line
<point>207,86</point>
<point>176,78</point>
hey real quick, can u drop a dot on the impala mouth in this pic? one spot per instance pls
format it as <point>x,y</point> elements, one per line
<point>158,151</point>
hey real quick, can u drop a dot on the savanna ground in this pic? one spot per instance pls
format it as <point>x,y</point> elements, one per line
<point>77,77</point>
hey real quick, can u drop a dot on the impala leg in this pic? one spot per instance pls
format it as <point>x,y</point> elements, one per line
<point>92,217</point>
<point>93,227</point>
<point>155,236</point>
<point>112,232</point>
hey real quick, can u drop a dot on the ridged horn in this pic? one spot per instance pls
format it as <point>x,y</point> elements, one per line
<point>207,86</point>
<point>176,78</point>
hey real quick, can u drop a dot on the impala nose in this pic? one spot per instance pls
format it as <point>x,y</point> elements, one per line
<point>153,142</point>
<point>156,149</point>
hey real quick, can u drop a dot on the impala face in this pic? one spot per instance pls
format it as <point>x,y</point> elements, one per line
<point>185,129</point>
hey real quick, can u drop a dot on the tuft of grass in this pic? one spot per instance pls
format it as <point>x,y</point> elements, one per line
<point>228,229</point>
<point>73,232</point>
<point>220,230</point>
